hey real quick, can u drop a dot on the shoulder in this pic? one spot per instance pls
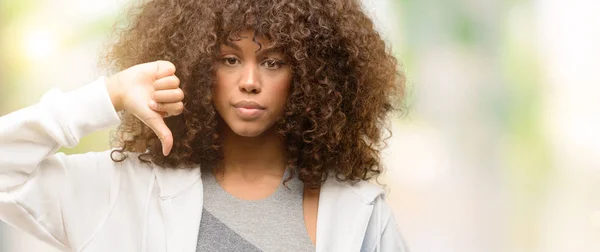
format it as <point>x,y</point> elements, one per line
<point>132,166</point>
<point>102,165</point>
<point>105,158</point>
<point>85,162</point>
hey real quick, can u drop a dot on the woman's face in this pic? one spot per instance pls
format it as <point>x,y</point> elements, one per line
<point>252,85</point>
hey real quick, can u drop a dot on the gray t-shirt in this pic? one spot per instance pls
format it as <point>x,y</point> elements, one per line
<point>275,223</point>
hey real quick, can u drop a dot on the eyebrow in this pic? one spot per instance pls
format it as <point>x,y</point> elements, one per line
<point>262,51</point>
<point>232,45</point>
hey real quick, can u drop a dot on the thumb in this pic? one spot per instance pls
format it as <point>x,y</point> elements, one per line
<point>157,124</point>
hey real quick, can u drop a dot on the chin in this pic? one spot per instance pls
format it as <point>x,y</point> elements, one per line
<point>248,132</point>
<point>247,129</point>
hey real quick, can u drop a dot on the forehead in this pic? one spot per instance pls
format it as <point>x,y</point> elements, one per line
<point>236,39</point>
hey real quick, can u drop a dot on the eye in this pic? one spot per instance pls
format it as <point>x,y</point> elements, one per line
<point>230,61</point>
<point>273,64</point>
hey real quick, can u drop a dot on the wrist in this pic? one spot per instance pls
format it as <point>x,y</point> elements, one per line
<point>113,87</point>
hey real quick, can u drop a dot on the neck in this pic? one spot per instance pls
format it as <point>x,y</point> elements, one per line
<point>253,157</point>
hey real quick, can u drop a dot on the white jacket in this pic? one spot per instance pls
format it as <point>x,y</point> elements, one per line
<point>87,202</point>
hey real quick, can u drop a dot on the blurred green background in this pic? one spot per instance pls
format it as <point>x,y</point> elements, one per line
<point>499,150</point>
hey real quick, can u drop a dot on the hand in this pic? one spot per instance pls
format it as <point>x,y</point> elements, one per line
<point>150,91</point>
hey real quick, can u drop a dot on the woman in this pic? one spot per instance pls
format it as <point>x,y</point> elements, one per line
<point>252,126</point>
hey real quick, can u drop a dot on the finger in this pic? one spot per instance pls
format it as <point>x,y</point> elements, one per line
<point>175,108</point>
<point>163,133</point>
<point>168,96</point>
<point>169,82</point>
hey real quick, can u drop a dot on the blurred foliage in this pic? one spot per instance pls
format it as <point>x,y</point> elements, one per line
<point>16,69</point>
<point>511,99</point>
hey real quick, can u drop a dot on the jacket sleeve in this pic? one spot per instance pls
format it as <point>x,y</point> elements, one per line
<point>389,239</point>
<point>38,188</point>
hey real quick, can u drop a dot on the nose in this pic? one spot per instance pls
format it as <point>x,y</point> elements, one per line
<point>249,82</point>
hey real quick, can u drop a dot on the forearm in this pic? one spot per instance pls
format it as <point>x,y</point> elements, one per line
<point>30,135</point>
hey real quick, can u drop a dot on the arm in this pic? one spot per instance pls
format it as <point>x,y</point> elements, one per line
<point>32,177</point>
<point>31,135</point>
<point>60,199</point>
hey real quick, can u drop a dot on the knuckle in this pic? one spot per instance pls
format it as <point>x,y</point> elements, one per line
<point>173,82</point>
<point>179,94</point>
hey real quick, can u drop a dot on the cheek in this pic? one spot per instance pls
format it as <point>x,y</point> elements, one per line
<point>281,93</point>
<point>220,89</point>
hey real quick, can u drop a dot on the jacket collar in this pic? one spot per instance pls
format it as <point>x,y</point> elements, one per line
<point>173,181</point>
<point>366,191</point>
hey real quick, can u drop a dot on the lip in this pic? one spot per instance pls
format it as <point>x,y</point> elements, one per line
<point>248,110</point>
<point>248,105</point>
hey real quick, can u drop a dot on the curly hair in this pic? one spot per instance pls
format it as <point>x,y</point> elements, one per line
<point>344,83</point>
